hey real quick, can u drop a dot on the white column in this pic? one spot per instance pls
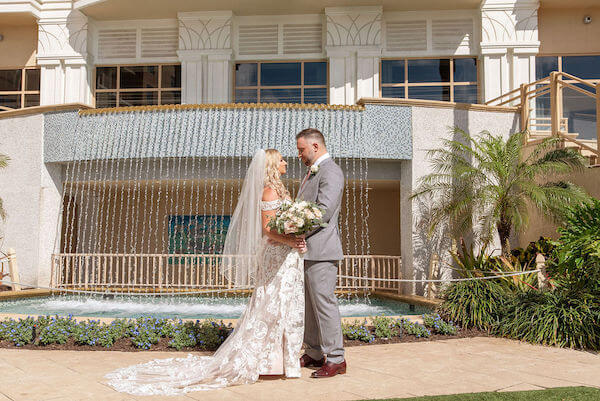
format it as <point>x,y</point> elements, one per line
<point>354,48</point>
<point>192,76</point>
<point>205,53</point>
<point>219,85</point>
<point>496,72</point>
<point>62,56</point>
<point>509,43</point>
<point>341,76</point>
<point>367,73</point>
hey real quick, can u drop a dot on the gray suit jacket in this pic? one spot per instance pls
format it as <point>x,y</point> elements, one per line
<point>325,188</point>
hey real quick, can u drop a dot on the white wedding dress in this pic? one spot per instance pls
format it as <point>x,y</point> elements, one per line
<point>266,341</point>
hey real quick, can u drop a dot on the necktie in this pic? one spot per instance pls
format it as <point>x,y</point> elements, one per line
<point>305,179</point>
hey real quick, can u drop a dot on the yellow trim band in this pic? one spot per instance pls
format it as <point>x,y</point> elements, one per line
<point>223,106</point>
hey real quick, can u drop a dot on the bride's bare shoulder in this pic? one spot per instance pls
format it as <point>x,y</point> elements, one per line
<point>269,194</point>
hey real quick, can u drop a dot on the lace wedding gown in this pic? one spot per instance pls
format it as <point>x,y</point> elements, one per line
<point>267,339</point>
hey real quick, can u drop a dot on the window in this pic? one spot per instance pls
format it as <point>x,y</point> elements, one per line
<point>579,109</point>
<point>19,88</point>
<point>281,82</point>
<point>137,85</point>
<point>584,67</point>
<point>448,79</point>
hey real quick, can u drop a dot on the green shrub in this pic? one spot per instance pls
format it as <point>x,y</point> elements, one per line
<point>560,318</point>
<point>385,327</point>
<point>183,335</point>
<point>434,321</point>
<point>145,331</point>
<point>412,328</point>
<point>543,245</point>
<point>357,331</point>
<point>576,259</point>
<point>54,330</point>
<point>93,332</point>
<point>474,303</point>
<point>211,334</point>
<point>19,332</point>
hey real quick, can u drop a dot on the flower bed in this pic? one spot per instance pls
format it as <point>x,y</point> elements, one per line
<point>54,332</point>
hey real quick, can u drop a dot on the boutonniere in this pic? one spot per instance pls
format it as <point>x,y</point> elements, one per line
<point>314,170</point>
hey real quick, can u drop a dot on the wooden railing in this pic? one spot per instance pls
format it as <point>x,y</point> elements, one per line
<point>146,273</point>
<point>556,124</point>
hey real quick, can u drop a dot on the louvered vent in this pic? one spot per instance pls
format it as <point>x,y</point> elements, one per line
<point>302,38</point>
<point>406,35</point>
<point>116,43</point>
<point>159,42</point>
<point>258,39</point>
<point>451,34</point>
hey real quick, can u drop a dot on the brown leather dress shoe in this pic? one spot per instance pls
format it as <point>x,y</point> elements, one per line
<point>330,369</point>
<point>307,361</point>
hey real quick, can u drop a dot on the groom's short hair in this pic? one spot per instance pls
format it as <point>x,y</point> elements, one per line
<point>311,134</point>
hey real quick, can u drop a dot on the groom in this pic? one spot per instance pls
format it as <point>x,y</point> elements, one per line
<point>324,185</point>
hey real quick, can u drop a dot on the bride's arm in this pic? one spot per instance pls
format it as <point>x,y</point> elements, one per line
<point>270,195</point>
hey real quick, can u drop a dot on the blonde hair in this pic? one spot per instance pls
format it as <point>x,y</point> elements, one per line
<point>272,176</point>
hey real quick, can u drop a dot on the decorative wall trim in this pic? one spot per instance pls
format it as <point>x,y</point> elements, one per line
<point>63,37</point>
<point>509,23</point>
<point>205,30</point>
<point>354,26</point>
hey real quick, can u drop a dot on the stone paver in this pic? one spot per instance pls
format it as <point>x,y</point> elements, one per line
<point>378,371</point>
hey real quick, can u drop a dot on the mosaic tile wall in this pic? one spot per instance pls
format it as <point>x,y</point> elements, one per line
<point>378,132</point>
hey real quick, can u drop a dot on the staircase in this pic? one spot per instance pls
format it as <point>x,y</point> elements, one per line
<point>539,128</point>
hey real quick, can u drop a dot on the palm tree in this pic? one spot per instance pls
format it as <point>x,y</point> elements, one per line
<point>4,159</point>
<point>485,183</point>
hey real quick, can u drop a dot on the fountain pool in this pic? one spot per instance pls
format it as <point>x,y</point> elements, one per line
<point>184,307</point>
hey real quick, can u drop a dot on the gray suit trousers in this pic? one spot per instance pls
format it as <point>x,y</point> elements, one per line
<point>322,326</point>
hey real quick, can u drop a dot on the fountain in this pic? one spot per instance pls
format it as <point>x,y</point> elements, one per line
<point>148,191</point>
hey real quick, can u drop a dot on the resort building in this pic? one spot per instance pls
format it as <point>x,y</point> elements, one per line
<point>94,185</point>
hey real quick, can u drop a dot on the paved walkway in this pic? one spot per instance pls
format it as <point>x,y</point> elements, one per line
<point>379,371</point>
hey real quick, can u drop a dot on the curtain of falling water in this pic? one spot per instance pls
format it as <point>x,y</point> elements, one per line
<point>147,182</point>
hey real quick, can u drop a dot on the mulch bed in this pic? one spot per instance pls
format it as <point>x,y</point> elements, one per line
<point>125,345</point>
<point>466,333</point>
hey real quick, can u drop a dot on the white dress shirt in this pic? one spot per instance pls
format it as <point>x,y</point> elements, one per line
<point>320,159</point>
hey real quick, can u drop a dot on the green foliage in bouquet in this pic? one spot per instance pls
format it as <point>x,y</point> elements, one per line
<point>299,217</point>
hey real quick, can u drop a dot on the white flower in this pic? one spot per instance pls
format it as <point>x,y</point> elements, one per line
<point>314,169</point>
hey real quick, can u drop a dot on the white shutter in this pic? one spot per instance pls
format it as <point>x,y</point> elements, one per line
<point>302,38</point>
<point>258,39</point>
<point>117,43</point>
<point>406,35</point>
<point>159,42</point>
<point>451,34</point>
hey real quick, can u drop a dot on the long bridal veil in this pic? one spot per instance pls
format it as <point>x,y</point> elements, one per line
<point>241,356</point>
<point>245,228</point>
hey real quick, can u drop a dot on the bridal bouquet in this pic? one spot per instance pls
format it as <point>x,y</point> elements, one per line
<point>297,217</point>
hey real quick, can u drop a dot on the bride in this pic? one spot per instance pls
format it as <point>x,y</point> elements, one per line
<point>268,336</point>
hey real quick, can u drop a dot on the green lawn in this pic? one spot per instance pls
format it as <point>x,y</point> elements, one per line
<point>554,394</point>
